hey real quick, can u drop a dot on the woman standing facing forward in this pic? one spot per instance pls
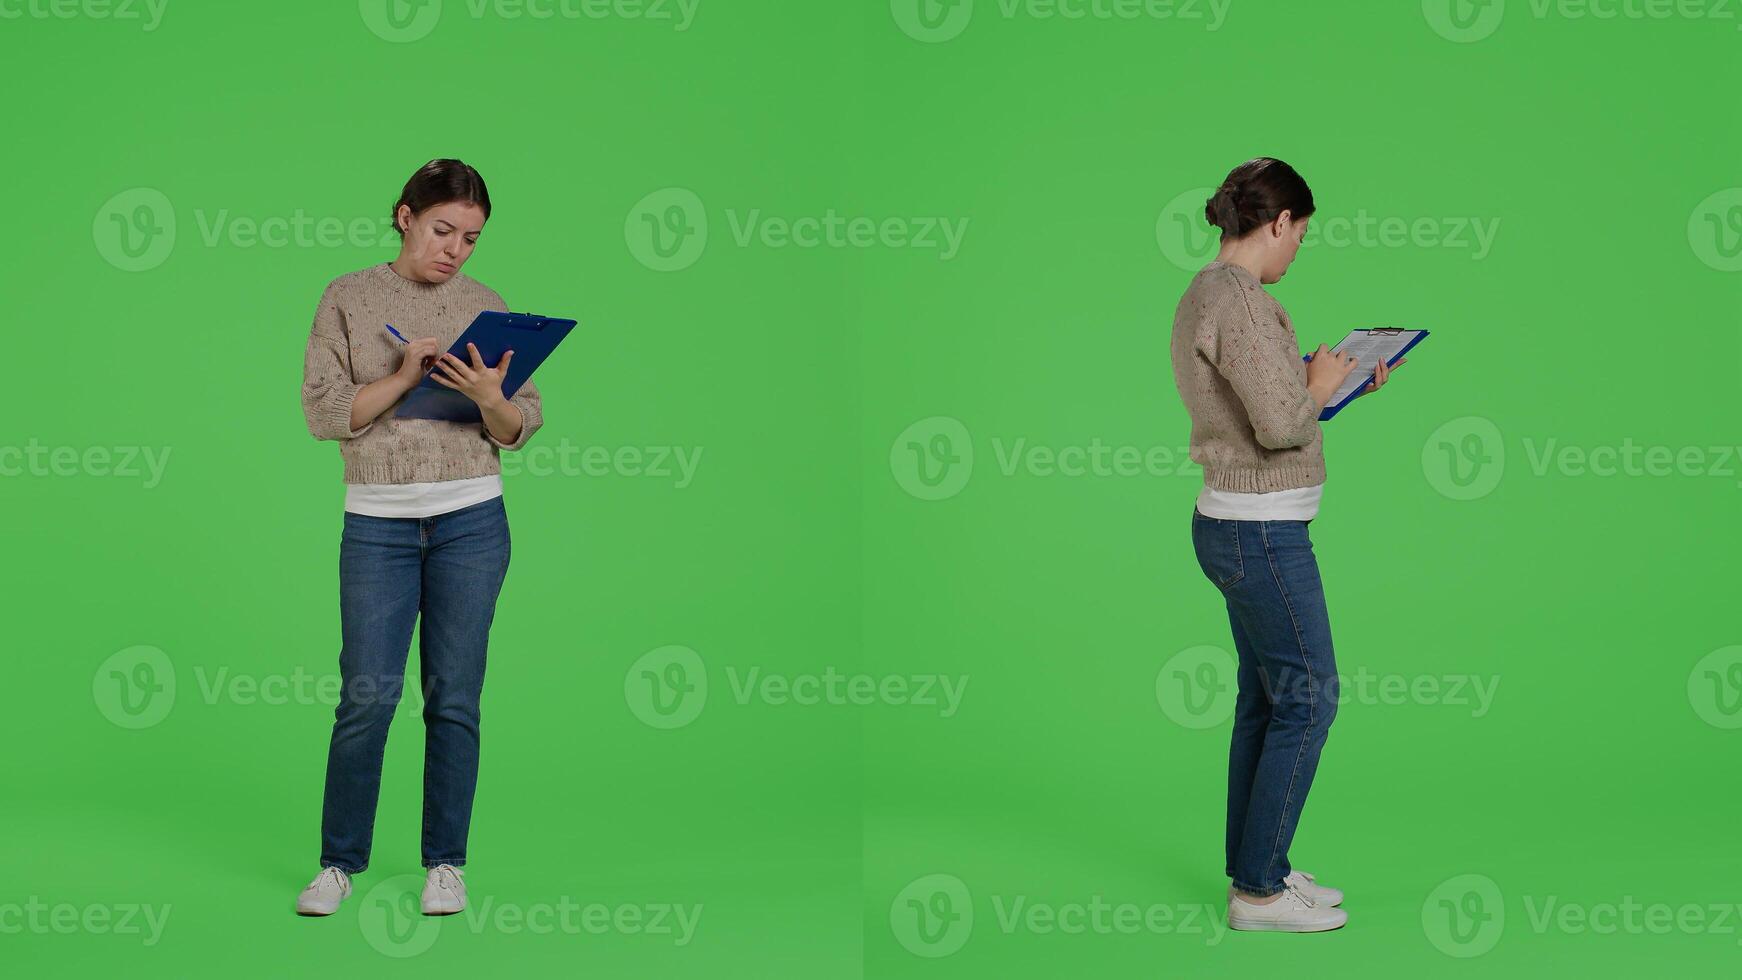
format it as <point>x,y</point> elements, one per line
<point>425,528</point>
<point>1255,410</point>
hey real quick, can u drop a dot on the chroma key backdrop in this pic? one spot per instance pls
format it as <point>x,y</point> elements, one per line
<point>853,626</point>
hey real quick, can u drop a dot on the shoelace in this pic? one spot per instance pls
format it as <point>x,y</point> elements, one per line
<point>1289,888</point>
<point>329,873</point>
<point>447,876</point>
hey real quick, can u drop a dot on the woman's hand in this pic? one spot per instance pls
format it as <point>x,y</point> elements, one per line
<point>479,383</point>
<point>1382,374</point>
<point>1326,371</point>
<point>415,360</point>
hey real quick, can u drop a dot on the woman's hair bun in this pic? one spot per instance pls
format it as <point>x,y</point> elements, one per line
<point>1223,208</point>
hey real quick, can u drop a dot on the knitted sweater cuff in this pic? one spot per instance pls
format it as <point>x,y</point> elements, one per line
<point>338,412</point>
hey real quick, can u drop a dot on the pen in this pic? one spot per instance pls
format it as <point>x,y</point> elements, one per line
<point>396,333</point>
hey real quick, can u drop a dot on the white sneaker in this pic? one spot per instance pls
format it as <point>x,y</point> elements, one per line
<point>1291,912</point>
<point>444,893</point>
<point>323,895</point>
<point>1309,886</point>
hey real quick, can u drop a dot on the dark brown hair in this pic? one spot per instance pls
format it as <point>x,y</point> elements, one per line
<point>439,182</point>
<point>1254,194</point>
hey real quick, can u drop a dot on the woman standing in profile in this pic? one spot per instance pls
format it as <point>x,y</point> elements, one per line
<point>1255,410</point>
<point>425,527</point>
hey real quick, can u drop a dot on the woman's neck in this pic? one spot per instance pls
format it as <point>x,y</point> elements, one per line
<point>403,268</point>
<point>1234,253</point>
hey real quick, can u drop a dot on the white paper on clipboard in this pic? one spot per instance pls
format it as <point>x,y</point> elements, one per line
<point>1368,346</point>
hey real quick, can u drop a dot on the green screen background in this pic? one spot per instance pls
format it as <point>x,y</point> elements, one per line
<point>1080,772</point>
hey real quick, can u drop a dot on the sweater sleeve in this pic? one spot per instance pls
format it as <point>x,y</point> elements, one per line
<point>531,416</point>
<point>1264,370</point>
<point>327,388</point>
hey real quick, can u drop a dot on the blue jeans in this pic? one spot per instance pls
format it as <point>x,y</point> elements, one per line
<point>449,567</point>
<point>1287,685</point>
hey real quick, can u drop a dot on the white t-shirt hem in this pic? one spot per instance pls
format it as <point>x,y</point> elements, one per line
<point>420,499</point>
<point>1298,504</point>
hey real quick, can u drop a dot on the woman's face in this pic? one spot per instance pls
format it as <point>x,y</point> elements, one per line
<point>1283,236</point>
<point>440,240</point>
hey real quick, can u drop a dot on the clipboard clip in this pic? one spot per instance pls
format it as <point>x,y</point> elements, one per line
<point>1386,331</point>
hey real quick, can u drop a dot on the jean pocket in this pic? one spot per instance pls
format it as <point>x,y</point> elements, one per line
<point>1217,543</point>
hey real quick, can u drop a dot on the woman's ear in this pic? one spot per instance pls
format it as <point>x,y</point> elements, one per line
<point>1279,226</point>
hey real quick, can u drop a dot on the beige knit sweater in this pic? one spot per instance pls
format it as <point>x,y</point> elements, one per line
<point>349,347</point>
<point>1238,366</point>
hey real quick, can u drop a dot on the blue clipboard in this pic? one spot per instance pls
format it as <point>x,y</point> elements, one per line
<point>1334,408</point>
<point>531,337</point>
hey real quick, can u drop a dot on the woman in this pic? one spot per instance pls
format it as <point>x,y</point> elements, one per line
<point>425,528</point>
<point>1255,431</point>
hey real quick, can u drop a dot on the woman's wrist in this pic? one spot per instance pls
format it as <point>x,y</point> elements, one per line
<point>502,418</point>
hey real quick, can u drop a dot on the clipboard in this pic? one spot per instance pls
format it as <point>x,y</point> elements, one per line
<point>1367,344</point>
<point>531,337</point>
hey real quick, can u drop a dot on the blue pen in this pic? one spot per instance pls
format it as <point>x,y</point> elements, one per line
<point>395,333</point>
